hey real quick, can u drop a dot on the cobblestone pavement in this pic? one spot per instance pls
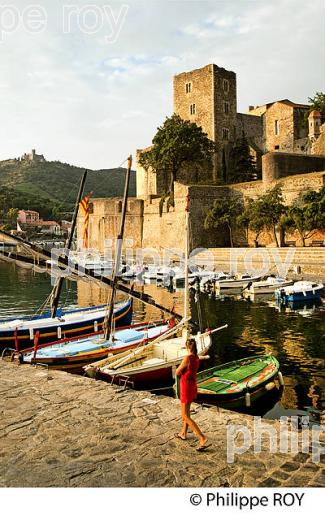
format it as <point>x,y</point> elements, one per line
<point>63,430</point>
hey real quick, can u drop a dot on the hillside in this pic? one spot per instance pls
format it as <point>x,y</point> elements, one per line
<point>51,187</point>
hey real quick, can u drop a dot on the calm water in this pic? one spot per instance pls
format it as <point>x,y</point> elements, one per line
<point>295,336</point>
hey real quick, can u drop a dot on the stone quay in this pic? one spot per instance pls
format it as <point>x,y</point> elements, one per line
<point>63,430</point>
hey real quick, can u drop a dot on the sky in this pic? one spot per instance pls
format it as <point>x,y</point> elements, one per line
<point>89,83</point>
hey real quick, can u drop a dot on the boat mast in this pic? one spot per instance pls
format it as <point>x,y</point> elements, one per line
<point>56,293</point>
<point>118,253</point>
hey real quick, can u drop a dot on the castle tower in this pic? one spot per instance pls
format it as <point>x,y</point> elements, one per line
<point>208,97</point>
<point>314,122</point>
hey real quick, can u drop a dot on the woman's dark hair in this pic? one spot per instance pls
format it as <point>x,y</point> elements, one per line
<point>191,345</point>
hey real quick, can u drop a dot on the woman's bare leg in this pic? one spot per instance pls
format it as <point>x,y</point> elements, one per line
<point>186,415</point>
<point>183,432</point>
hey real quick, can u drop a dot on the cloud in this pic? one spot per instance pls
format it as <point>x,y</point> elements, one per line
<point>77,98</point>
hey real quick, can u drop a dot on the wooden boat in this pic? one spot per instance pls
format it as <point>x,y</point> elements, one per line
<point>73,355</point>
<point>155,363</point>
<point>19,333</point>
<point>269,285</point>
<point>238,383</point>
<point>300,291</point>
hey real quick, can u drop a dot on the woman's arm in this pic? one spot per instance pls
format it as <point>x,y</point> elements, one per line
<point>182,366</point>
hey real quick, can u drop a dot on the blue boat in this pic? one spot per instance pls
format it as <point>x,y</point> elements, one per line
<point>20,333</point>
<point>299,292</point>
<point>72,355</point>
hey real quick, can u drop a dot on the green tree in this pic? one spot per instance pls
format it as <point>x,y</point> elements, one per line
<point>176,143</point>
<point>243,222</point>
<point>242,166</point>
<point>307,214</point>
<point>318,103</point>
<point>12,216</point>
<point>252,219</point>
<point>224,213</point>
<point>270,208</point>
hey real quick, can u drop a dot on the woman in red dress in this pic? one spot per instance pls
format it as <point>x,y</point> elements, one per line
<point>188,390</point>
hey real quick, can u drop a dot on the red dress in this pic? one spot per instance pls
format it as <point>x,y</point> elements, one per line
<point>188,388</point>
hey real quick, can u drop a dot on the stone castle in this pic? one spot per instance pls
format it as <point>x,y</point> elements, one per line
<point>287,141</point>
<point>32,157</point>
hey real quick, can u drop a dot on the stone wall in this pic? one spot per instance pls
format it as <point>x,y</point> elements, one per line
<point>167,230</point>
<point>104,222</point>
<point>277,165</point>
<point>318,147</point>
<point>252,127</point>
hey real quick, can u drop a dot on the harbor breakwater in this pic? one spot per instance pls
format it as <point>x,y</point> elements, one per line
<point>62,430</point>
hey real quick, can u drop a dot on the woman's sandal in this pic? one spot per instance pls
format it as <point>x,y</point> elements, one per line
<point>178,436</point>
<point>203,447</point>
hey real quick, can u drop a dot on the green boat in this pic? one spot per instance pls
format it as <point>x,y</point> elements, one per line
<point>238,383</point>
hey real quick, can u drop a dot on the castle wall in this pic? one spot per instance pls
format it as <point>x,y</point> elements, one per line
<point>252,128</point>
<point>284,115</point>
<point>104,222</point>
<point>148,229</point>
<point>277,165</point>
<point>318,147</point>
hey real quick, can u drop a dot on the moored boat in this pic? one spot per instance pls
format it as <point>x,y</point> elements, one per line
<point>300,291</point>
<point>238,383</point>
<point>151,364</point>
<point>269,285</point>
<point>19,333</point>
<point>238,282</point>
<point>73,355</point>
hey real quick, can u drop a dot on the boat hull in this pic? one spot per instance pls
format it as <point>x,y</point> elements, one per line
<point>24,340</point>
<point>303,297</point>
<point>238,401</point>
<point>142,380</point>
<point>234,284</point>
<point>75,363</point>
<point>238,384</point>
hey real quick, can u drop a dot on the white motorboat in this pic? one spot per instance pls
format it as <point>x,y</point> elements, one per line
<point>269,285</point>
<point>207,282</point>
<point>237,282</point>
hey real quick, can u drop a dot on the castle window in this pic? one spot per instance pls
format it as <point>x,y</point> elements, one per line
<point>226,107</point>
<point>277,147</point>
<point>192,109</point>
<point>188,88</point>
<point>225,133</point>
<point>226,85</point>
<point>277,127</point>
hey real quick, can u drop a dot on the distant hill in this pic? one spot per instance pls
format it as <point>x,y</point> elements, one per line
<point>51,187</point>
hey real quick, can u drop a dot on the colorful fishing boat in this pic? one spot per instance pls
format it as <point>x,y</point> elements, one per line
<point>152,364</point>
<point>73,355</point>
<point>19,333</point>
<point>299,292</point>
<point>239,383</point>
